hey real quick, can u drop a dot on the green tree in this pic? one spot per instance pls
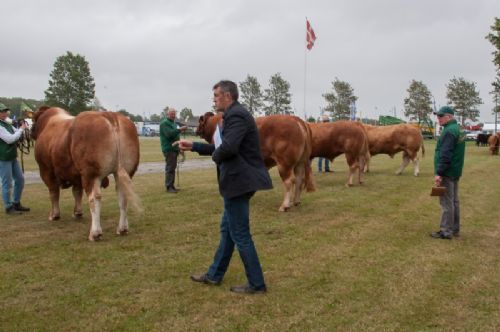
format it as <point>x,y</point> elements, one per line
<point>155,118</point>
<point>418,104</point>
<point>494,38</point>
<point>277,96</point>
<point>70,85</point>
<point>186,114</point>
<point>464,97</point>
<point>339,100</point>
<point>133,117</point>
<point>251,95</point>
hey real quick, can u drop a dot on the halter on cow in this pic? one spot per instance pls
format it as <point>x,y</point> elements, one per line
<point>80,152</point>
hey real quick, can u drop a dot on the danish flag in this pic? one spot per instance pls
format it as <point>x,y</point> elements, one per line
<point>310,36</point>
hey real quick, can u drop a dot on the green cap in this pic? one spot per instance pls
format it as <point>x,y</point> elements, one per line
<point>445,110</point>
<point>3,108</point>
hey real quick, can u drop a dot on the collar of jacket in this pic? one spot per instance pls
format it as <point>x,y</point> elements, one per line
<point>230,106</point>
<point>450,122</point>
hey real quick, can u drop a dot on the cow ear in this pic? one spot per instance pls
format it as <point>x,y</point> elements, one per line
<point>200,120</point>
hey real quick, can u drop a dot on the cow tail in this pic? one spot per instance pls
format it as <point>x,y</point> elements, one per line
<point>124,184</point>
<point>308,176</point>
<point>422,148</point>
<point>309,179</point>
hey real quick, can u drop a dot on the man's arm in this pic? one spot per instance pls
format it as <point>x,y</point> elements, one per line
<point>8,137</point>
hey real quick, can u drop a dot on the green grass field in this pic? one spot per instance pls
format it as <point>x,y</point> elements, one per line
<point>355,259</point>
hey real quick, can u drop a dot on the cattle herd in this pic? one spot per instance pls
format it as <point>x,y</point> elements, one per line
<point>82,151</point>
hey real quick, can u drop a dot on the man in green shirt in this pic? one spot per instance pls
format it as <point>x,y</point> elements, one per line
<point>169,133</point>
<point>10,171</point>
<point>448,166</point>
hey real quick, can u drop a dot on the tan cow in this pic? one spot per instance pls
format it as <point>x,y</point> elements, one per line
<point>396,138</point>
<point>493,143</point>
<point>331,139</point>
<point>80,152</point>
<point>285,141</point>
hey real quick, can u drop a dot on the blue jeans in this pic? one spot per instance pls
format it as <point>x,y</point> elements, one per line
<point>320,163</point>
<point>10,170</point>
<point>235,230</point>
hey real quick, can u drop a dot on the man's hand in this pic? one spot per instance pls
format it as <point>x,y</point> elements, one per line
<point>184,145</point>
<point>437,180</point>
<point>24,125</point>
<point>183,128</point>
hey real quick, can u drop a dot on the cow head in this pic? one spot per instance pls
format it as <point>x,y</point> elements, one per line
<point>34,128</point>
<point>203,129</point>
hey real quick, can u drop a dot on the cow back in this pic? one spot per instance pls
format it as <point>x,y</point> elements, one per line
<point>393,139</point>
<point>331,139</point>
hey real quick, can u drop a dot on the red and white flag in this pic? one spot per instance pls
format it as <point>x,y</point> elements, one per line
<point>310,36</point>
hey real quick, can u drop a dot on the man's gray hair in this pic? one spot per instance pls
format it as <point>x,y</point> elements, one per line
<point>228,86</point>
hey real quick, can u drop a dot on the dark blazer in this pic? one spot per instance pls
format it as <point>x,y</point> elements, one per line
<point>240,166</point>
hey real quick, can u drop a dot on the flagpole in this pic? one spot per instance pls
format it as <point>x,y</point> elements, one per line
<point>305,75</point>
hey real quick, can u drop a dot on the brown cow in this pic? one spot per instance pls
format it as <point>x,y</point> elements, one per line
<point>331,139</point>
<point>285,141</point>
<point>396,138</point>
<point>493,143</point>
<point>80,152</point>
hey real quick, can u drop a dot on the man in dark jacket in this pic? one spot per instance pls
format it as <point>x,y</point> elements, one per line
<point>448,165</point>
<point>241,172</point>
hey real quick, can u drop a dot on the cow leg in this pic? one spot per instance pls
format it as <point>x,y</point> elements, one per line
<point>416,168</point>
<point>287,177</point>
<point>406,161</point>
<point>93,190</point>
<point>123,223</point>
<point>77,194</point>
<point>353,166</point>
<point>55,212</point>
<point>299,172</point>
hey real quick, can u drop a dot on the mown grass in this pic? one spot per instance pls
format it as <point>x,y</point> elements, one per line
<point>347,259</point>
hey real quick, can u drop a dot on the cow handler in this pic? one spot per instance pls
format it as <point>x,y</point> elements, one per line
<point>448,165</point>
<point>169,133</point>
<point>10,169</point>
<point>241,170</point>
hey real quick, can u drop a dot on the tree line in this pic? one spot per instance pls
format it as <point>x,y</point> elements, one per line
<point>72,87</point>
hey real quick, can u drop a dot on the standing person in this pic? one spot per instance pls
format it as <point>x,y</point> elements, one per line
<point>9,166</point>
<point>324,118</point>
<point>448,165</point>
<point>169,133</point>
<point>241,172</point>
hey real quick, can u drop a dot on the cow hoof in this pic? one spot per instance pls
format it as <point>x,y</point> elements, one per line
<point>284,208</point>
<point>52,218</point>
<point>296,203</point>
<point>348,185</point>
<point>122,232</point>
<point>95,237</point>
<point>77,215</point>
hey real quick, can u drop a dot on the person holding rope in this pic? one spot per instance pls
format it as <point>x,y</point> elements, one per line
<point>169,133</point>
<point>10,171</point>
<point>241,172</point>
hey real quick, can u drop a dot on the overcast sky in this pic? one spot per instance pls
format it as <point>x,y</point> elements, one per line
<point>145,55</point>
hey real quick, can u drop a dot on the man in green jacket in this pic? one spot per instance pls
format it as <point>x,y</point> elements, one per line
<point>448,165</point>
<point>169,133</point>
<point>10,171</point>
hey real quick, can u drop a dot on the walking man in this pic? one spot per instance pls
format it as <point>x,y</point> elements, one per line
<point>241,172</point>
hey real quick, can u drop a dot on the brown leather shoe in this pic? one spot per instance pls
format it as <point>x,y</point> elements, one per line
<point>246,289</point>
<point>204,279</point>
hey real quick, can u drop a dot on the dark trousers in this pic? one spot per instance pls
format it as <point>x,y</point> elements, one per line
<point>450,206</point>
<point>170,166</point>
<point>235,230</point>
